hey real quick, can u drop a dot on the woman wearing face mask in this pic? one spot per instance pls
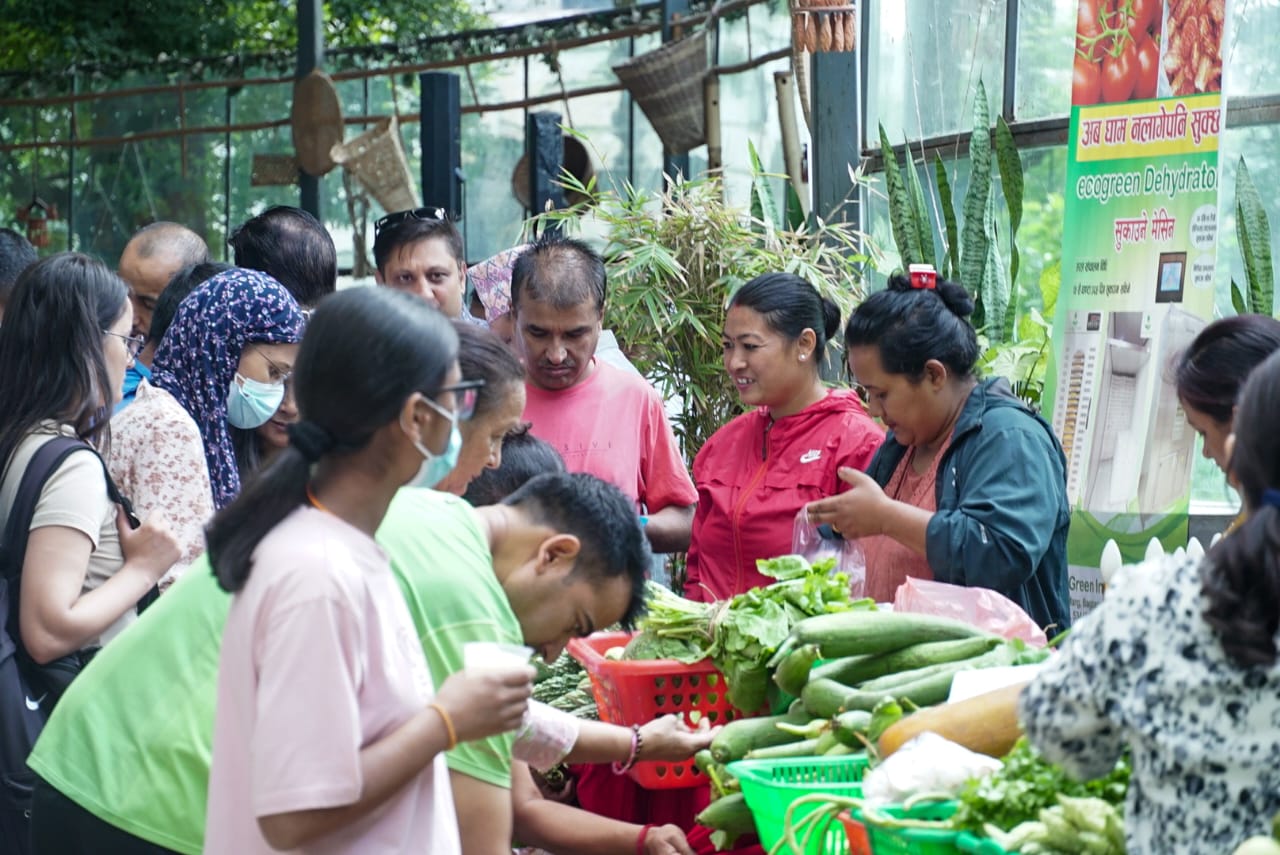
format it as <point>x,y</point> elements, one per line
<point>317,616</point>
<point>63,355</point>
<point>1210,373</point>
<point>223,363</point>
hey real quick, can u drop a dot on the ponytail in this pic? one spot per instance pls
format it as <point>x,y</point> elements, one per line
<point>1241,581</point>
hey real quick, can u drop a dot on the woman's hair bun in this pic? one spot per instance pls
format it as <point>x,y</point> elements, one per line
<point>953,295</point>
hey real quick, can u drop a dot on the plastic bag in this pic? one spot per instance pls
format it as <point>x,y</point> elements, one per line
<point>926,764</point>
<point>981,607</point>
<point>807,539</point>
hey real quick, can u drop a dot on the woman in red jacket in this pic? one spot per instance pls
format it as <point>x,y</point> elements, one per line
<point>760,469</point>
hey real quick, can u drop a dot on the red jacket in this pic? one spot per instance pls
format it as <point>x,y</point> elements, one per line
<point>755,474</point>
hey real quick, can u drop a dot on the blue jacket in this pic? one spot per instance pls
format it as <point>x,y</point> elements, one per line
<point>1002,511</point>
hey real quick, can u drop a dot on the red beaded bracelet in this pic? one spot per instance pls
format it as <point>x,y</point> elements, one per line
<point>644,835</point>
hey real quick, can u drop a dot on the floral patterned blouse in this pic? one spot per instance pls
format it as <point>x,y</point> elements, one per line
<point>157,459</point>
<point>1145,670</point>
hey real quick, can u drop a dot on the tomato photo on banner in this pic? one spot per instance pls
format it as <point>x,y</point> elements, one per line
<point>1139,247</point>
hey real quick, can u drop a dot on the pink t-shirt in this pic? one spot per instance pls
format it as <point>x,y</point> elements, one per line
<point>320,659</point>
<point>612,425</point>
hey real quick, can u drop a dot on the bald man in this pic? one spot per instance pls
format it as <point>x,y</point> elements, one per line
<point>150,259</point>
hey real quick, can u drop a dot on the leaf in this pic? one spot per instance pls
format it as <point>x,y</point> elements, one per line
<point>905,235</point>
<point>951,268</point>
<point>1238,299</point>
<point>973,247</point>
<point>764,210</point>
<point>1050,284</point>
<point>1255,243</point>
<point>995,293</point>
<point>795,219</point>
<point>920,212</point>
<point>1010,163</point>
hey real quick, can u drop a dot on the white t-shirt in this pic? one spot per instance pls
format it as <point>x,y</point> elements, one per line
<point>75,497</point>
<point>319,659</point>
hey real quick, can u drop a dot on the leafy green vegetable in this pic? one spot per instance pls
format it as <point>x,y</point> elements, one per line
<point>740,635</point>
<point>1028,784</point>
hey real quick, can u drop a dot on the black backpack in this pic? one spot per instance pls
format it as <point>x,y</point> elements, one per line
<point>28,690</point>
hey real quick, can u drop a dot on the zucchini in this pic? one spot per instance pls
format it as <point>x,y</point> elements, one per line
<point>736,738</point>
<point>825,698</point>
<point>853,670</point>
<point>861,633</point>
<point>793,673</point>
<point>803,748</point>
<point>842,750</point>
<point>730,815</point>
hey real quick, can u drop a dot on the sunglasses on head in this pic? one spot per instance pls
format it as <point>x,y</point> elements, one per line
<point>391,220</point>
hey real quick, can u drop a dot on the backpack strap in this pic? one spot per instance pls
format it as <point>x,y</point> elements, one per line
<point>13,548</point>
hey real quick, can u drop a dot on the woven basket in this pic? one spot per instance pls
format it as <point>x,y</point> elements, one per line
<point>273,170</point>
<point>667,84</point>
<point>377,159</point>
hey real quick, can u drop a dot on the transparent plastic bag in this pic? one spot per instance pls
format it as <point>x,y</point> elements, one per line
<point>808,540</point>
<point>981,607</point>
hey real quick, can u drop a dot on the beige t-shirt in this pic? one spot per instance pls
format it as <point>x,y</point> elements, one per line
<point>75,496</point>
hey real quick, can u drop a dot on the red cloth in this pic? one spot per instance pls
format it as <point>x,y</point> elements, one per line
<point>748,499</point>
<point>618,797</point>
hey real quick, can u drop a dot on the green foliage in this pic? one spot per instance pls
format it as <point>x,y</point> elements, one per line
<point>972,254</point>
<point>675,257</point>
<point>1254,233</point>
<point>49,35</point>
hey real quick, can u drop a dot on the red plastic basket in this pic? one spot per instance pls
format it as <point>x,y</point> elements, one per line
<point>859,844</point>
<point>637,692</point>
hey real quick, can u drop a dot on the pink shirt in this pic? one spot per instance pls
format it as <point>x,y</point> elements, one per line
<point>320,659</point>
<point>612,425</point>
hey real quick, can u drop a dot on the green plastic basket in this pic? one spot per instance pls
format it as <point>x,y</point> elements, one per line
<point>974,845</point>
<point>887,840</point>
<point>770,786</point>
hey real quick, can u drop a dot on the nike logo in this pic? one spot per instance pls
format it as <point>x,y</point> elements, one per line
<point>810,455</point>
<point>34,705</point>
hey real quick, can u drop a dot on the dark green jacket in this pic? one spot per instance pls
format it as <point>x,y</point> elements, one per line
<point>1002,511</point>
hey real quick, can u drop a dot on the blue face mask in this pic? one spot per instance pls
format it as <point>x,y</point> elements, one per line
<point>436,466</point>
<point>251,403</point>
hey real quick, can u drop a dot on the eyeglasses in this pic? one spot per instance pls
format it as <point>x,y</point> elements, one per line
<point>284,375</point>
<point>465,394</point>
<point>401,216</point>
<point>132,343</point>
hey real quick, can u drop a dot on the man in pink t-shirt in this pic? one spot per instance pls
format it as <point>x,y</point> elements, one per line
<point>602,420</point>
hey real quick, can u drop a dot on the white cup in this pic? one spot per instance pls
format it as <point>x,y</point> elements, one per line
<point>494,656</point>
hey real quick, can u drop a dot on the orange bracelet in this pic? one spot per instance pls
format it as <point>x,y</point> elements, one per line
<point>448,726</point>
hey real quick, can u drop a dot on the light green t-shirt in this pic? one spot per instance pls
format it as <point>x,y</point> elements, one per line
<point>130,740</point>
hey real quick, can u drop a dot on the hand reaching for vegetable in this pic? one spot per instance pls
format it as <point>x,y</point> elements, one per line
<point>857,512</point>
<point>669,738</point>
<point>666,840</point>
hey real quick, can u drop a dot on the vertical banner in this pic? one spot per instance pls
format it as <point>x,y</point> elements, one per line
<point>1139,247</point>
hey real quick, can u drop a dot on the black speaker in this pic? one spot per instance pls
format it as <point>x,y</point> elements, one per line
<point>442,141</point>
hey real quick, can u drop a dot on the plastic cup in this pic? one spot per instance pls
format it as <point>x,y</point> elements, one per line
<point>494,656</point>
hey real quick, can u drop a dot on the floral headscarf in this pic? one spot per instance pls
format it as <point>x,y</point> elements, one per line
<point>200,353</point>
<point>492,281</point>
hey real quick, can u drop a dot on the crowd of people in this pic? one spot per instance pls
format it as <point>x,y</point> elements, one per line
<point>267,519</point>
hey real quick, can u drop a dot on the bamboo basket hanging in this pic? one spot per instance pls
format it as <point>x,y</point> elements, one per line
<point>667,84</point>
<point>377,159</point>
<point>819,26</point>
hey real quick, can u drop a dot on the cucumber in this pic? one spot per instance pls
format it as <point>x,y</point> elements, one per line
<point>730,815</point>
<point>861,633</point>
<point>1003,654</point>
<point>738,737</point>
<point>803,748</point>
<point>793,673</point>
<point>853,670</point>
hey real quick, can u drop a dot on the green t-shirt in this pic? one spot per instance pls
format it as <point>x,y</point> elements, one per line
<point>130,740</point>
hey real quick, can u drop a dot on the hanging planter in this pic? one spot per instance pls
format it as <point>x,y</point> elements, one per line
<point>36,217</point>
<point>819,26</point>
